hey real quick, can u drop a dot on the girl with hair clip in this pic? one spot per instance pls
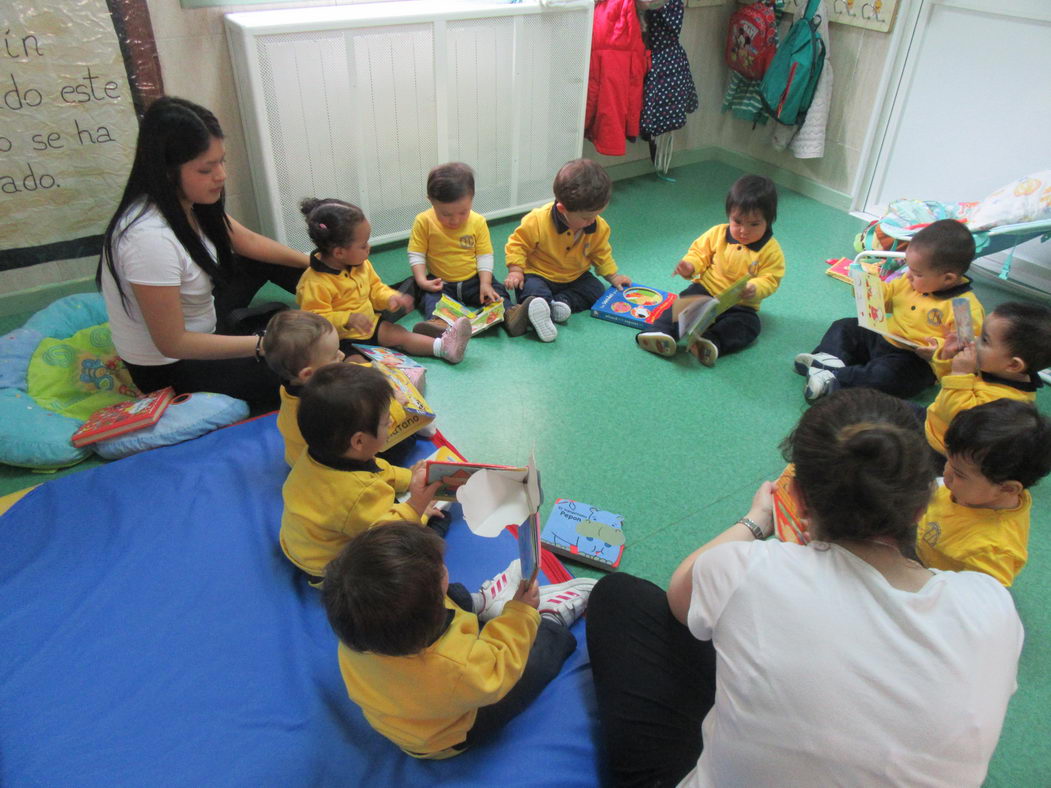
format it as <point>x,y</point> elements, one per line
<point>342,286</point>
<point>841,662</point>
<point>176,268</point>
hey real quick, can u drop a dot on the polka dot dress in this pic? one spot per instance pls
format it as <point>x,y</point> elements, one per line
<point>669,94</point>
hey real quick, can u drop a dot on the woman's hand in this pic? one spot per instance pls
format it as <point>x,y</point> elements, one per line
<point>762,511</point>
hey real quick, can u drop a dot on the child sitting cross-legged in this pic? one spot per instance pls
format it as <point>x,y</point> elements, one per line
<point>341,286</point>
<point>745,246</point>
<point>550,254</point>
<point>449,250</point>
<point>1014,344</point>
<point>414,653</point>
<point>919,309</point>
<point>296,345</point>
<point>338,487</point>
<point>979,518</point>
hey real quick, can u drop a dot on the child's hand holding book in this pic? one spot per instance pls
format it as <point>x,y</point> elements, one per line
<point>421,494</point>
<point>528,593</point>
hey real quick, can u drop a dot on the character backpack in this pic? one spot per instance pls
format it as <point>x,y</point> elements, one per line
<point>752,39</point>
<point>788,86</point>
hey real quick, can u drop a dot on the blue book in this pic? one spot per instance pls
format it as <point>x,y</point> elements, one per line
<point>637,306</point>
<point>584,534</point>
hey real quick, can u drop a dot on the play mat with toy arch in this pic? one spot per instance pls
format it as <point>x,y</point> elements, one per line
<point>59,368</point>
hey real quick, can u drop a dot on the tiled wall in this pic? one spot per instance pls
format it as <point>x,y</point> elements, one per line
<point>195,63</point>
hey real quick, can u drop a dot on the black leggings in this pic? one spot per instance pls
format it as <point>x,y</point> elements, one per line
<point>244,378</point>
<point>654,682</point>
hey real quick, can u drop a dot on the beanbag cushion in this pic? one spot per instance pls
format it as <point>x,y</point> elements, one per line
<point>1027,199</point>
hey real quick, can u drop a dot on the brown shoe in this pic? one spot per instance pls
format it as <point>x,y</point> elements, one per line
<point>516,319</point>
<point>434,327</point>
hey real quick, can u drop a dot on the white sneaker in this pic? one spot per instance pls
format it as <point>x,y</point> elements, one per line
<point>819,382</point>
<point>560,311</point>
<point>540,318</point>
<point>704,350</point>
<point>806,361</point>
<point>499,590</point>
<point>566,602</point>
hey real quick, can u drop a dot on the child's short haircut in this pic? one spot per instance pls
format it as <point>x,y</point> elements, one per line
<point>290,339</point>
<point>330,222</point>
<point>753,194</point>
<point>582,185</point>
<point>383,593</point>
<point>948,245</point>
<point>1028,334</point>
<point>450,182</point>
<point>1007,439</point>
<point>338,401</point>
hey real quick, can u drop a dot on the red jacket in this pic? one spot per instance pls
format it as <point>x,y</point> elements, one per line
<point>619,62</point>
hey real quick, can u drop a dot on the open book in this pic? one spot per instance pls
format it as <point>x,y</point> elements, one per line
<point>695,314</point>
<point>450,310</point>
<point>868,296</point>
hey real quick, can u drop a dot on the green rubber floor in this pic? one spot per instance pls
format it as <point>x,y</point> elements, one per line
<point>677,448</point>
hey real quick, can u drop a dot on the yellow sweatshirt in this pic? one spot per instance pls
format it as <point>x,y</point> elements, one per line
<point>542,244</point>
<point>959,538</point>
<point>326,505</point>
<point>336,295</point>
<point>965,391</point>
<point>451,255</point>
<point>718,261</point>
<point>426,703</point>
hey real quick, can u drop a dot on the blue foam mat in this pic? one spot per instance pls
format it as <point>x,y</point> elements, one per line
<point>153,633</point>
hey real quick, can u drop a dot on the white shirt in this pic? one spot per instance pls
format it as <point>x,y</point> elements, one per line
<point>827,675</point>
<point>148,253</point>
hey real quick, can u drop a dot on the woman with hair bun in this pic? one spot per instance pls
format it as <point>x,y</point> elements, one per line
<point>175,267</point>
<point>843,662</point>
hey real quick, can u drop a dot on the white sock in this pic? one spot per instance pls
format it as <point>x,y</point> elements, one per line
<point>477,601</point>
<point>438,347</point>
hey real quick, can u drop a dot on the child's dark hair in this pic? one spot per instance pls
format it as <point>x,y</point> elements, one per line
<point>948,245</point>
<point>383,594</point>
<point>861,466</point>
<point>582,185</point>
<point>753,194</point>
<point>290,339</point>
<point>450,182</point>
<point>330,222</point>
<point>1028,333</point>
<point>1007,439</point>
<point>338,401</point>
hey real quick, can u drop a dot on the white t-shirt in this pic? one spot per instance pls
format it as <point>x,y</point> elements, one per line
<point>148,253</point>
<point>827,675</point>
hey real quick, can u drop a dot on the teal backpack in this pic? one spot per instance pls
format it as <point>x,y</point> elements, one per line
<point>789,83</point>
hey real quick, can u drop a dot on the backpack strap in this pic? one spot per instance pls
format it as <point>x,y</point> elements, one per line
<point>811,9</point>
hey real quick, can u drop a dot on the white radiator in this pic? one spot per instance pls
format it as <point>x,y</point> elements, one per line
<point>360,101</point>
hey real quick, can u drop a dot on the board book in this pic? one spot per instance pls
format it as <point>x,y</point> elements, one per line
<point>788,522</point>
<point>961,311</point>
<point>450,310</point>
<point>123,417</point>
<point>868,297</point>
<point>409,411</point>
<point>453,474</point>
<point>413,369</point>
<point>695,317</point>
<point>637,306</point>
<point>585,534</point>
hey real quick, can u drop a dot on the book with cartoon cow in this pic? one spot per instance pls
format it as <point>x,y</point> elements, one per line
<point>583,533</point>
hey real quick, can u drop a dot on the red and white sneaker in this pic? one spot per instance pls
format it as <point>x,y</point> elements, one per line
<point>566,602</point>
<point>499,590</point>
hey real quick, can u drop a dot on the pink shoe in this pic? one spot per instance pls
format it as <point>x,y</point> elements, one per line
<point>454,340</point>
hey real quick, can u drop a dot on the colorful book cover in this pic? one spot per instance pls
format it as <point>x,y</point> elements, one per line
<point>388,357</point>
<point>695,318</point>
<point>891,267</point>
<point>453,475</point>
<point>868,296</point>
<point>839,268</point>
<point>450,310</point>
<point>583,533</point>
<point>636,306</point>
<point>123,417</point>
<point>409,411</point>
<point>788,524</point>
